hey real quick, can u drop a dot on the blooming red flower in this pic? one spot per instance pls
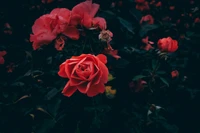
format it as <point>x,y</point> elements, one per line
<point>142,6</point>
<point>86,73</point>
<point>2,53</point>
<point>197,20</point>
<point>139,1</point>
<point>174,73</point>
<point>148,18</point>
<point>85,12</point>
<point>167,44</point>
<point>158,4</point>
<point>47,27</point>
<point>171,7</point>
<point>47,1</point>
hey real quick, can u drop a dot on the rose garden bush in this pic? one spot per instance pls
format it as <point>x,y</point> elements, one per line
<point>121,66</point>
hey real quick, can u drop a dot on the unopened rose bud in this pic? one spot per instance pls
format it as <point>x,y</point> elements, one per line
<point>105,36</point>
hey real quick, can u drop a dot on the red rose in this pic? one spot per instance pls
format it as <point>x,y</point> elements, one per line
<point>167,44</point>
<point>47,1</point>
<point>197,20</point>
<point>86,73</point>
<point>47,27</point>
<point>172,7</point>
<point>139,1</point>
<point>158,4</point>
<point>2,53</point>
<point>85,12</point>
<point>142,6</point>
<point>174,73</point>
<point>148,18</point>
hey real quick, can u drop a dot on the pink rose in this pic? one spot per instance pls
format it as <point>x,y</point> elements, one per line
<point>2,53</point>
<point>86,73</point>
<point>85,13</point>
<point>167,45</point>
<point>47,27</point>
<point>148,18</point>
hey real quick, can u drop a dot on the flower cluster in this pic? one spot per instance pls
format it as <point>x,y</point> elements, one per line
<point>62,21</point>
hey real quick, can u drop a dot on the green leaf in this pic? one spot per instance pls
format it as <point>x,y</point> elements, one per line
<point>53,92</point>
<point>164,81</point>
<point>45,126</point>
<point>154,63</point>
<point>161,72</point>
<point>138,77</point>
<point>126,24</point>
<point>146,28</point>
<point>17,84</point>
<point>189,33</point>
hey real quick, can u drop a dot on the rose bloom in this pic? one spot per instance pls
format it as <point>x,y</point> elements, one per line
<point>148,18</point>
<point>86,73</point>
<point>158,4</point>
<point>47,1</point>
<point>197,20</point>
<point>139,1</point>
<point>85,13</point>
<point>174,73</point>
<point>172,7</point>
<point>2,53</point>
<point>167,44</point>
<point>142,6</point>
<point>46,28</point>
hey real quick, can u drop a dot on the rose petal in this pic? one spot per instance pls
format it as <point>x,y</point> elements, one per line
<point>71,32</point>
<point>75,82</point>
<point>99,22</point>
<point>95,89</point>
<point>2,60</point>
<point>62,72</point>
<point>2,53</point>
<point>86,20</point>
<point>86,7</point>
<point>69,67</point>
<point>102,58</point>
<point>83,88</point>
<point>68,90</point>
<point>95,75</point>
<point>63,12</point>
<point>105,72</point>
